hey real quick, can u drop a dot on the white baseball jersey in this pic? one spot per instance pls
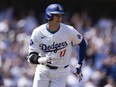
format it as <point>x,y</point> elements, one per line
<point>57,45</point>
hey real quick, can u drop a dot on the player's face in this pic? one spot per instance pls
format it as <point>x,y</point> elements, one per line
<point>57,18</point>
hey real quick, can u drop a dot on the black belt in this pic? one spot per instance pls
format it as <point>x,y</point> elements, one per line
<point>54,67</point>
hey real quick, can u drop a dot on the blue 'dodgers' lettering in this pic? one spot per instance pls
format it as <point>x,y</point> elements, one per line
<point>54,47</point>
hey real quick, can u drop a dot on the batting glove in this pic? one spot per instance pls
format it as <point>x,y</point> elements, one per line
<point>78,72</point>
<point>44,60</point>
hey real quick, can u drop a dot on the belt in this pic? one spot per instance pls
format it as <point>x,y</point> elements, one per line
<point>55,67</point>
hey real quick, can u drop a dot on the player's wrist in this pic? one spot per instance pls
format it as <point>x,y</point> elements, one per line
<point>78,65</point>
<point>44,60</point>
<point>78,68</point>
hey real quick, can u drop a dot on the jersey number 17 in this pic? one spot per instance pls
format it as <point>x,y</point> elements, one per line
<point>62,53</point>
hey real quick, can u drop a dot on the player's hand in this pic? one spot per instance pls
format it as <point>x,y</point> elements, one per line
<point>78,72</point>
<point>44,60</point>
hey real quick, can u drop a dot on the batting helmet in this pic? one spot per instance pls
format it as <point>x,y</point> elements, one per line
<point>53,9</point>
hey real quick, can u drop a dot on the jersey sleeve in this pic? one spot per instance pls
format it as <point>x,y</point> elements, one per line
<point>34,41</point>
<point>76,37</point>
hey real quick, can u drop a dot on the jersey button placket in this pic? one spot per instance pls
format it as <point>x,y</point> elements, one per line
<point>52,38</point>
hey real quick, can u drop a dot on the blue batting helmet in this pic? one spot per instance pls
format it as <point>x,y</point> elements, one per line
<point>53,9</point>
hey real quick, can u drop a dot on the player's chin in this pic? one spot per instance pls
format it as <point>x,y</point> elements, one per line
<point>58,21</point>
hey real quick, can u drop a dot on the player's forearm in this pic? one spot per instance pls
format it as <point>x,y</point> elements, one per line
<point>33,58</point>
<point>82,51</point>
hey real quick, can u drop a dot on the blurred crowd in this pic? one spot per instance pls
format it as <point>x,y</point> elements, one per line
<point>99,66</point>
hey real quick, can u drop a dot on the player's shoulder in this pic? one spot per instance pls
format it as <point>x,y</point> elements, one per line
<point>39,28</point>
<point>67,27</point>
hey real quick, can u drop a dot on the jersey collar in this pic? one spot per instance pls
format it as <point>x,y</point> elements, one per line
<point>51,31</point>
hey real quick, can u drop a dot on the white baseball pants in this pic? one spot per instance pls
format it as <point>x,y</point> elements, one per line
<point>45,77</point>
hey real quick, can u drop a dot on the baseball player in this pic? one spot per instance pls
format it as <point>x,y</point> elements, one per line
<point>50,48</point>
